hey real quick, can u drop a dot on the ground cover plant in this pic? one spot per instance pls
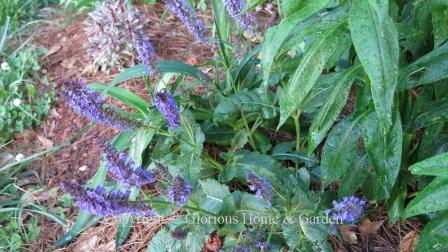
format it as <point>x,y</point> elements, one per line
<point>293,137</point>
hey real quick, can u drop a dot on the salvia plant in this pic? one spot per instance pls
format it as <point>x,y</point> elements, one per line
<point>109,30</point>
<point>341,107</point>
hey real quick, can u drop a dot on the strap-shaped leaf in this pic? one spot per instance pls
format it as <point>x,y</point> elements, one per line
<point>434,197</point>
<point>375,38</point>
<point>164,66</point>
<point>428,69</point>
<point>434,166</point>
<point>339,150</point>
<point>439,13</point>
<point>329,112</point>
<point>275,36</point>
<point>430,113</point>
<point>384,147</point>
<point>122,95</point>
<point>310,68</point>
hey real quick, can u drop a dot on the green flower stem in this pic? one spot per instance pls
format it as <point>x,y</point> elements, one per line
<point>297,124</point>
<point>249,132</point>
<point>212,161</point>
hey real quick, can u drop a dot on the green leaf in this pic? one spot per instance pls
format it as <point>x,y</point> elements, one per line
<point>434,235</point>
<point>395,205</point>
<point>292,233</point>
<point>339,150</point>
<point>122,95</point>
<point>375,38</point>
<point>384,148</point>
<point>430,113</point>
<point>434,166</point>
<point>214,193</point>
<point>168,66</point>
<point>161,241</point>
<point>439,13</point>
<point>331,109</point>
<point>434,197</point>
<point>354,179</point>
<point>275,36</point>
<point>191,145</point>
<point>123,229</point>
<point>428,69</point>
<point>246,101</point>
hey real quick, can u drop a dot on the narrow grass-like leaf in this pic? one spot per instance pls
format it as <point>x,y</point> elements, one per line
<point>329,112</point>
<point>309,69</point>
<point>375,38</point>
<point>275,36</point>
<point>122,95</point>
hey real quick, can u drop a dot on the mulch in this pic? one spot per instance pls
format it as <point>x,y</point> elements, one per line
<point>67,59</point>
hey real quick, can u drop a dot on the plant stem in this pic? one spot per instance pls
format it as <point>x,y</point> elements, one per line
<point>297,124</point>
<point>249,132</point>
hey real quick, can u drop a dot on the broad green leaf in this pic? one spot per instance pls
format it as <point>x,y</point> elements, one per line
<point>246,101</point>
<point>214,194</point>
<point>434,197</point>
<point>317,233</point>
<point>430,113</point>
<point>329,112</point>
<point>320,92</point>
<point>439,13</point>
<point>434,236</point>
<point>310,68</point>
<point>168,66</point>
<point>339,150</point>
<point>292,233</point>
<point>431,140</point>
<point>190,147</point>
<point>384,148</point>
<point>354,179</point>
<point>375,38</point>
<point>123,229</point>
<point>122,95</point>
<point>275,36</point>
<point>428,69</point>
<point>161,241</point>
<point>434,166</point>
<point>373,188</point>
<point>288,7</point>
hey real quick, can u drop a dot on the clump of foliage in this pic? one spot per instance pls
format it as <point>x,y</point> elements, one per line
<point>296,82</point>
<point>22,104</point>
<point>109,31</point>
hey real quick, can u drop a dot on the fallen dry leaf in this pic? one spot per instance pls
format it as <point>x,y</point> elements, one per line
<point>348,235</point>
<point>47,143</point>
<point>54,49</point>
<point>409,241</point>
<point>367,227</point>
<point>86,243</point>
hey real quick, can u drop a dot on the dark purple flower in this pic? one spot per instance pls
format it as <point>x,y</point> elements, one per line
<point>165,103</point>
<point>87,102</point>
<point>179,234</point>
<point>261,187</point>
<point>98,201</point>
<point>234,8</point>
<point>122,167</point>
<point>179,191</point>
<point>187,15</point>
<point>145,52</point>
<point>350,209</point>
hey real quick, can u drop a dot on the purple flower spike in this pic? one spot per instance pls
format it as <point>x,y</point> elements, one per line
<point>261,187</point>
<point>179,191</point>
<point>234,8</point>
<point>145,51</point>
<point>350,209</point>
<point>187,15</point>
<point>122,167</point>
<point>87,102</point>
<point>99,202</point>
<point>165,103</point>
